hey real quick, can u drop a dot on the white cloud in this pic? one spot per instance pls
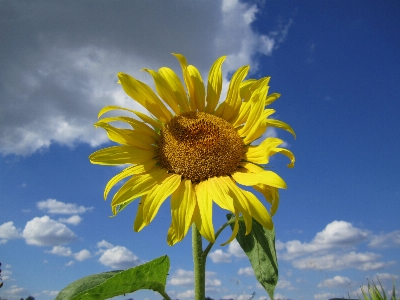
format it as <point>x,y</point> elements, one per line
<point>104,244</point>
<point>234,250</point>
<point>387,240</point>
<point>70,263</point>
<point>336,234</point>
<point>219,256</point>
<point>335,282</point>
<point>82,255</point>
<point>8,231</point>
<point>66,251</point>
<point>61,251</point>
<point>386,276</point>
<point>182,278</point>
<point>16,291</point>
<point>119,257</point>
<point>277,296</point>
<point>52,206</point>
<point>323,296</point>
<point>47,232</point>
<point>185,278</point>
<point>50,293</point>
<point>248,271</point>
<point>65,71</point>
<point>338,261</point>
<point>284,284</point>
<point>74,220</point>
<point>188,294</point>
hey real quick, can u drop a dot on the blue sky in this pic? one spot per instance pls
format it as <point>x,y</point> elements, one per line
<point>336,65</point>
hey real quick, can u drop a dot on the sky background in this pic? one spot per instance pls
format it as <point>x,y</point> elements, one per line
<point>337,66</point>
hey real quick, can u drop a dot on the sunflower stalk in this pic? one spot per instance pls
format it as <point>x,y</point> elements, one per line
<point>199,261</point>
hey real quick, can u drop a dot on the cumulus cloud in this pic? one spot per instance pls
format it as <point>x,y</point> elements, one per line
<point>47,232</point>
<point>336,282</point>
<point>248,271</point>
<point>61,251</point>
<point>188,294</point>
<point>82,255</point>
<point>284,284</point>
<point>323,296</point>
<point>50,293</point>
<point>53,206</point>
<point>336,234</point>
<point>333,248</point>
<point>234,250</point>
<point>182,278</point>
<point>16,292</point>
<point>385,240</point>
<point>117,257</point>
<point>185,278</point>
<point>74,220</point>
<point>338,261</point>
<point>219,256</point>
<point>66,251</point>
<point>65,68</point>
<point>8,231</point>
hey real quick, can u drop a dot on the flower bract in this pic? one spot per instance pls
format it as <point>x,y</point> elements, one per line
<point>195,149</point>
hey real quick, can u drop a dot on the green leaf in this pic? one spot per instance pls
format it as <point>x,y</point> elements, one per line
<point>259,246</point>
<point>151,276</point>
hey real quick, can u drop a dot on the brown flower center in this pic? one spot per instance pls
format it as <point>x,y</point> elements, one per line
<point>198,146</point>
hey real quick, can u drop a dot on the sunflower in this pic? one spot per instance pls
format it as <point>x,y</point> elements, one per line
<point>194,149</point>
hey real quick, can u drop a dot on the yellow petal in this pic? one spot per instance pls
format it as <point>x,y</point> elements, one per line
<point>138,186</point>
<point>142,116</point>
<point>171,236</point>
<point>233,100</point>
<point>265,177</point>
<point>281,125</point>
<point>139,221</point>
<point>187,79</point>
<point>135,124</point>
<point>118,155</point>
<point>239,201</point>
<point>196,91</point>
<point>144,95</point>
<point>127,137</point>
<point>214,85</point>
<point>245,92</point>
<point>132,170</point>
<point>176,86</point>
<point>218,191</point>
<point>257,107</point>
<point>164,90</point>
<point>271,98</point>
<point>204,222</point>
<point>249,206</point>
<point>251,167</point>
<point>260,154</point>
<point>234,231</point>
<point>183,202</point>
<point>287,153</point>
<point>271,194</point>
<point>161,191</point>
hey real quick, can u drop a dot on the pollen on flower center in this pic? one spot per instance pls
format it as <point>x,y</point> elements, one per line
<point>198,146</point>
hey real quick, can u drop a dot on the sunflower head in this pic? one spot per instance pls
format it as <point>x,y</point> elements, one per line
<point>195,149</point>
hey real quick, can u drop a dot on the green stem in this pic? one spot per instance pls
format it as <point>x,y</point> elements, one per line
<point>205,253</point>
<point>199,265</point>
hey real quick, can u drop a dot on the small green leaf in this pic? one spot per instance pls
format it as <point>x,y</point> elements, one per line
<point>151,276</point>
<point>259,246</point>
